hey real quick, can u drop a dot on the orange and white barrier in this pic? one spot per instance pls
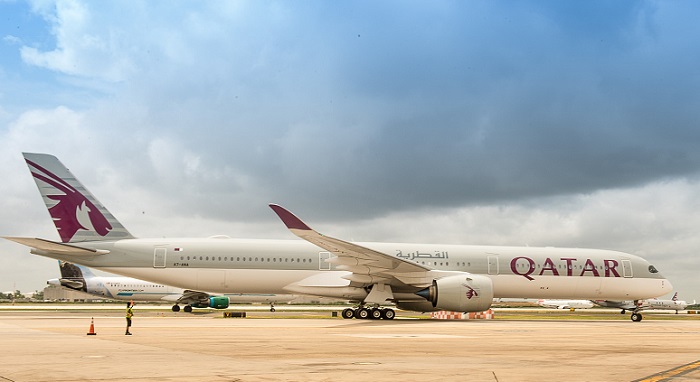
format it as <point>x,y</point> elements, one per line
<point>486,315</point>
<point>447,315</point>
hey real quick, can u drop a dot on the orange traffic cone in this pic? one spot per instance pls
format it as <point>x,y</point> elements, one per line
<point>92,328</point>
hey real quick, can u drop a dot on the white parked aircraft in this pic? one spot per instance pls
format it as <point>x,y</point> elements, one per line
<point>418,277</point>
<point>565,304</point>
<point>637,306</point>
<point>80,278</point>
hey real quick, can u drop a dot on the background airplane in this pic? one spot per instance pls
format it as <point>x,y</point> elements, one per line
<point>80,278</point>
<point>648,304</point>
<point>565,304</point>
<point>418,277</point>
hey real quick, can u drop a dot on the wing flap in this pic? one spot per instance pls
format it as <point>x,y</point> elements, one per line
<point>48,246</point>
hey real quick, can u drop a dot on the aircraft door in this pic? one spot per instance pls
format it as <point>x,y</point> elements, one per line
<point>159,257</point>
<point>626,268</point>
<point>322,264</point>
<point>493,264</point>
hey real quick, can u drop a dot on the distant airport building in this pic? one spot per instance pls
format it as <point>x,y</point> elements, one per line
<point>56,293</point>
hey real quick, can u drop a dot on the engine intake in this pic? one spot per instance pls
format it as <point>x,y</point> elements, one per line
<point>460,293</point>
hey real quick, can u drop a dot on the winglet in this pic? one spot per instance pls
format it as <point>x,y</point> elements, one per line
<point>289,219</point>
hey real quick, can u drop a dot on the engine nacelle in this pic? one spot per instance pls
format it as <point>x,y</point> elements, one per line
<point>216,302</point>
<point>416,306</point>
<point>461,293</point>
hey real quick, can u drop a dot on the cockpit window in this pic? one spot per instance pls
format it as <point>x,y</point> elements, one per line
<point>652,269</point>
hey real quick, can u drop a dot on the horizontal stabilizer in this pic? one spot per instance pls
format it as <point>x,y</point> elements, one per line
<point>49,246</point>
<point>71,283</point>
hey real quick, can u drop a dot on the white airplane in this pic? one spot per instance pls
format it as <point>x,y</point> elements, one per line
<point>418,277</point>
<point>637,306</point>
<point>80,278</point>
<point>565,304</point>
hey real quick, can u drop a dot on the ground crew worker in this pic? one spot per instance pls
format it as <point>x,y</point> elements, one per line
<point>129,314</point>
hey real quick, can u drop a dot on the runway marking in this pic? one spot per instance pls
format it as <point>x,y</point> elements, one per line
<point>360,335</point>
<point>670,374</point>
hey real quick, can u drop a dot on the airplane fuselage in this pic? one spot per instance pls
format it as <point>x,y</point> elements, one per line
<point>225,265</point>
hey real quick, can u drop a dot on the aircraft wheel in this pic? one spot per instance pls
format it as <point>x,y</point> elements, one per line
<point>272,309</point>
<point>636,317</point>
<point>388,314</point>
<point>362,313</point>
<point>622,311</point>
<point>188,308</point>
<point>176,308</point>
<point>348,313</point>
<point>376,313</point>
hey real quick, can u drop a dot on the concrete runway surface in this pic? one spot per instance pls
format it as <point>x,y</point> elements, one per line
<point>53,346</point>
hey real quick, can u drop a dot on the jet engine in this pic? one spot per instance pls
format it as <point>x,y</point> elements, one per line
<point>461,293</point>
<point>216,302</point>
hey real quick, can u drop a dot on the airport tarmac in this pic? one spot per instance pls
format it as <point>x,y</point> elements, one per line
<point>52,345</point>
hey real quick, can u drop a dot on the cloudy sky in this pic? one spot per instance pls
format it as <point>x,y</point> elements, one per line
<point>539,123</point>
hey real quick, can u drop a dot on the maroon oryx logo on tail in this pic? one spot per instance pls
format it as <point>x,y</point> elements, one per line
<point>73,211</point>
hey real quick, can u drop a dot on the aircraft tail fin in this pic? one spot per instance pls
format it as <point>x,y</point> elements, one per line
<point>69,270</point>
<point>73,276</point>
<point>675,297</point>
<point>76,213</point>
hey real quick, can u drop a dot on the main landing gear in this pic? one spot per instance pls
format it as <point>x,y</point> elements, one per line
<point>369,313</point>
<point>187,308</point>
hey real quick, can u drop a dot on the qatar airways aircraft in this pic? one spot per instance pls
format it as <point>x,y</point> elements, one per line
<point>418,277</point>
<point>80,278</point>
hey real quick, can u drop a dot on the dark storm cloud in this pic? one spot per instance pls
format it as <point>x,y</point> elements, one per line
<point>471,109</point>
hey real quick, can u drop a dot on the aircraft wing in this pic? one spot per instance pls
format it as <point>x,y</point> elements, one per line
<point>48,246</point>
<point>366,265</point>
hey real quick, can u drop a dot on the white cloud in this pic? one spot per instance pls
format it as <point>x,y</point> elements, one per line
<point>86,45</point>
